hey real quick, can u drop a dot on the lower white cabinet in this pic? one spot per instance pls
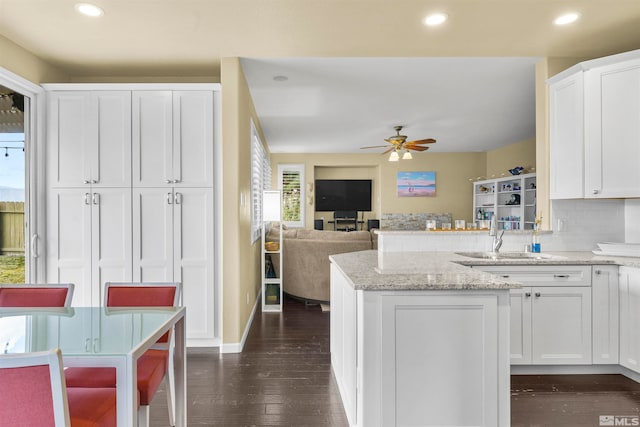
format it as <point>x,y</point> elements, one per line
<point>550,314</point>
<point>630,318</point>
<point>88,240</point>
<point>605,319</point>
<point>173,241</point>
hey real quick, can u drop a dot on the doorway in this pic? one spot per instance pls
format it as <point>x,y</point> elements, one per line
<point>13,169</point>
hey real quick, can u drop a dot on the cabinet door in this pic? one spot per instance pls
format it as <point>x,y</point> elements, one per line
<point>152,234</point>
<point>71,138</point>
<point>111,238</point>
<point>193,257</point>
<point>630,318</point>
<point>520,342</point>
<point>566,135</point>
<point>604,290</point>
<point>152,138</point>
<point>193,138</point>
<point>613,130</point>
<point>69,241</point>
<point>111,161</point>
<point>564,341</point>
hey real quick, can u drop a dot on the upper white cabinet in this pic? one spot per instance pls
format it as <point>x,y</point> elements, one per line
<point>172,134</point>
<point>613,130</point>
<point>595,129</point>
<point>89,139</point>
<point>566,133</point>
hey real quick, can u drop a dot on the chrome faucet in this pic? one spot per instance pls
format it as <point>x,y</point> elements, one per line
<point>497,237</point>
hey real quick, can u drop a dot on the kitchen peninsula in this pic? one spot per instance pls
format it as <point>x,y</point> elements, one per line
<point>423,341</point>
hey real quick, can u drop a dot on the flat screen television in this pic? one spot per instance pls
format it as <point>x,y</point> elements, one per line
<point>343,195</point>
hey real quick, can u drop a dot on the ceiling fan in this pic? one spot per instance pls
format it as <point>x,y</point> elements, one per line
<point>399,143</point>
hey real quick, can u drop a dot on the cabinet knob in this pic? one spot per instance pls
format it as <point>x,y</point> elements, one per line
<point>596,191</point>
<point>506,276</point>
<point>94,181</point>
<point>598,272</point>
<point>561,276</point>
<point>86,181</point>
<point>168,181</point>
<point>537,294</point>
<point>527,294</point>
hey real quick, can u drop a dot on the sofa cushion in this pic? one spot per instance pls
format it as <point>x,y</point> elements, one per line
<point>333,235</point>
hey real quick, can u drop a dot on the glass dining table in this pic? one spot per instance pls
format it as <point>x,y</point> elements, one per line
<point>102,336</point>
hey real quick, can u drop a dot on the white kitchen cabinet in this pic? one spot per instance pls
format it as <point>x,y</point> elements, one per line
<point>89,240</point>
<point>89,139</point>
<point>605,302</point>
<point>172,138</point>
<point>630,318</point>
<point>550,315</point>
<point>613,130</point>
<point>566,135</point>
<point>174,241</point>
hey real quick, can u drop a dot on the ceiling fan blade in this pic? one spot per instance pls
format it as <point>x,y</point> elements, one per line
<point>421,141</point>
<point>387,150</point>
<point>374,146</point>
<point>416,148</point>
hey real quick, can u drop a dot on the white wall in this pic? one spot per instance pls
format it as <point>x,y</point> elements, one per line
<point>632,221</point>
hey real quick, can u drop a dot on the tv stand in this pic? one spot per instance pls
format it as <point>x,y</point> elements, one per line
<point>345,221</point>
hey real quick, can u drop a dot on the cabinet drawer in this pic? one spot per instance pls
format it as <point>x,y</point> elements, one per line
<point>543,275</point>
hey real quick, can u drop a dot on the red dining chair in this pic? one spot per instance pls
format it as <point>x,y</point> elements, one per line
<point>31,295</point>
<point>33,394</point>
<point>154,366</point>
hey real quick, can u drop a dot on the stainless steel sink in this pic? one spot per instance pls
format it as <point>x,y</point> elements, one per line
<point>508,255</point>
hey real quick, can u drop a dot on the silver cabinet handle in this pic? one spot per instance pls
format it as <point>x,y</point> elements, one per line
<point>168,181</point>
<point>87,345</point>
<point>178,198</point>
<point>561,276</point>
<point>598,272</point>
<point>596,191</point>
<point>175,181</point>
<point>96,345</point>
<point>86,181</point>
<point>537,294</point>
<point>94,181</point>
<point>527,294</point>
<point>86,199</point>
<point>169,198</point>
<point>95,198</point>
<point>506,276</point>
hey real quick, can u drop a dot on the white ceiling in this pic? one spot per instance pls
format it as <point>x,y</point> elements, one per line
<point>340,94</point>
<point>337,105</point>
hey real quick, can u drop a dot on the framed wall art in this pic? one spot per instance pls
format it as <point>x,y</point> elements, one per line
<point>416,184</point>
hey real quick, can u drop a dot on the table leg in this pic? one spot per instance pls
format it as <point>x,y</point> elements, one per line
<point>126,397</point>
<point>180,374</point>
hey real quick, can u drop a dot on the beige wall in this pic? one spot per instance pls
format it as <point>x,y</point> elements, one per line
<point>453,171</point>
<point>23,63</point>
<point>500,160</point>
<point>240,257</point>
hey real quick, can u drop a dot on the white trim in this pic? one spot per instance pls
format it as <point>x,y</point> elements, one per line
<point>237,347</point>
<point>299,167</point>
<point>132,86</point>
<point>35,179</point>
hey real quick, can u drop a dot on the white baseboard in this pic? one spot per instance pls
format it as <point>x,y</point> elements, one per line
<point>238,346</point>
<point>564,369</point>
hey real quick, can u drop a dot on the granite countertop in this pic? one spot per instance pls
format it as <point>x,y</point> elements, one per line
<point>369,270</point>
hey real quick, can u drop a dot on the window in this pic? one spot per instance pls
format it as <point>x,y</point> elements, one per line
<point>291,182</point>
<point>260,181</point>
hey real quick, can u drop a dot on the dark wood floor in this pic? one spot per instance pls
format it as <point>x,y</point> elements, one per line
<point>283,378</point>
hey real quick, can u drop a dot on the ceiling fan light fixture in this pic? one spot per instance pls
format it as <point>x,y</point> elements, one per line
<point>394,157</point>
<point>89,9</point>
<point>435,19</point>
<point>567,18</point>
<point>407,155</point>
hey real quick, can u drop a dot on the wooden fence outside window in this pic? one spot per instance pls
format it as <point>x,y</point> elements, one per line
<point>11,228</point>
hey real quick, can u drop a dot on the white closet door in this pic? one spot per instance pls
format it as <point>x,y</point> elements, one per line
<point>70,138</point>
<point>112,244</point>
<point>193,252</point>
<point>193,138</point>
<point>111,164</point>
<point>152,138</point>
<point>153,234</point>
<point>69,241</point>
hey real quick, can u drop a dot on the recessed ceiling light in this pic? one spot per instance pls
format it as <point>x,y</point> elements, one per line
<point>435,19</point>
<point>567,18</point>
<point>89,9</point>
<point>280,78</point>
